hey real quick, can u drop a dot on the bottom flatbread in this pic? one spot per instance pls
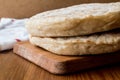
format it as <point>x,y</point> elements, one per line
<point>83,45</point>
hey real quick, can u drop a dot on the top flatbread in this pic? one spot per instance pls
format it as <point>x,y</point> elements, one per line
<point>75,20</point>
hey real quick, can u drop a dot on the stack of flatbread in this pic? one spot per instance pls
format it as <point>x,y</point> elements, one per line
<point>83,29</point>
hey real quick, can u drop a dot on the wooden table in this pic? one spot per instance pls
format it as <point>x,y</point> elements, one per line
<point>14,67</point>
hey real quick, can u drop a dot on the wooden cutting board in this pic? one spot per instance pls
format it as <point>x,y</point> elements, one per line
<point>63,64</point>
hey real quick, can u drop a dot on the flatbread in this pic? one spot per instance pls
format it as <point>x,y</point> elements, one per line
<point>76,20</point>
<point>93,44</point>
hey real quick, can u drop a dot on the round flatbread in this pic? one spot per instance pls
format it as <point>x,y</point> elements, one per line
<point>77,20</point>
<point>92,44</point>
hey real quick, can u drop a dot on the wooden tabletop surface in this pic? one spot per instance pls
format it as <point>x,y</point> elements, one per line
<point>14,67</point>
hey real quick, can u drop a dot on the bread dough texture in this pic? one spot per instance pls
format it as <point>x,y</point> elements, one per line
<point>83,45</point>
<point>76,20</point>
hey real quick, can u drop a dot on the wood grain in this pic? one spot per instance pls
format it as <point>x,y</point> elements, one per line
<point>62,64</point>
<point>13,67</point>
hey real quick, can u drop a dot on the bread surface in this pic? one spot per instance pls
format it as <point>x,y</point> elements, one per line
<point>76,20</point>
<point>92,44</point>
